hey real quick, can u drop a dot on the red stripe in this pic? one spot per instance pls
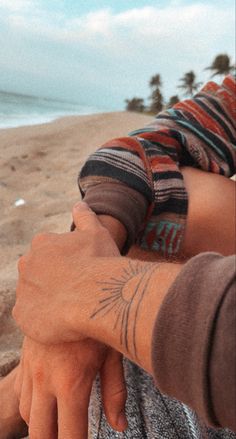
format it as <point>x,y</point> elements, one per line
<point>204,119</point>
<point>151,237</point>
<point>160,137</point>
<point>162,160</point>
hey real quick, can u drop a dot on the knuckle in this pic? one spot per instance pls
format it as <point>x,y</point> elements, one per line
<point>118,394</point>
<point>71,387</point>
<point>65,386</point>
<point>39,377</point>
<point>39,239</point>
<point>14,312</point>
<point>21,264</point>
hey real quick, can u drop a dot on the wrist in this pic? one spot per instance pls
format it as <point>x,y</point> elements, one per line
<point>122,304</point>
<point>118,200</point>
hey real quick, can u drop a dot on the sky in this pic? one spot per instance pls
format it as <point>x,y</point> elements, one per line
<point>100,52</point>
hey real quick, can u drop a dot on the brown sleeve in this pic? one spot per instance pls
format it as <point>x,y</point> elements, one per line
<point>194,339</point>
<point>121,202</point>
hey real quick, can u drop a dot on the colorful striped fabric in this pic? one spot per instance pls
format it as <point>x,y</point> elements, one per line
<point>198,132</point>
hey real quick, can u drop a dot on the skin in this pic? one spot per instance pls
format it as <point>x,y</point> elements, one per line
<point>74,363</point>
<point>211,221</point>
<point>78,314</point>
<point>12,426</point>
<point>45,387</point>
<point>48,316</point>
<point>113,389</point>
<point>196,221</point>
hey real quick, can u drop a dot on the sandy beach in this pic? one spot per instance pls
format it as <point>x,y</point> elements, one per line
<point>40,164</point>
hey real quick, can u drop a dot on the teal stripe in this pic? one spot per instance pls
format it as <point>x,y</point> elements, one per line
<point>208,141</point>
<point>142,130</point>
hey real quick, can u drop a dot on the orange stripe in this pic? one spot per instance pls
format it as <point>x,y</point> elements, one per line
<point>158,136</point>
<point>204,119</point>
<point>230,83</point>
<point>161,160</point>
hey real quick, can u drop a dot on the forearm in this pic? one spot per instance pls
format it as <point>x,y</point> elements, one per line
<point>122,303</point>
<point>194,355</point>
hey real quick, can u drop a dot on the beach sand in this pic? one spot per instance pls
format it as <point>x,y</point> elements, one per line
<point>40,164</point>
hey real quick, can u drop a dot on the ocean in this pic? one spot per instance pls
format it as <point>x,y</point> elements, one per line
<point>20,110</point>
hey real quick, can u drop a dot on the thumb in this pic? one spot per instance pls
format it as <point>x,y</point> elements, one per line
<point>83,217</point>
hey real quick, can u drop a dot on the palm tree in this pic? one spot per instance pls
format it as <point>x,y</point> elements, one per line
<point>156,101</point>
<point>221,65</point>
<point>155,81</point>
<point>135,104</point>
<point>189,83</point>
<point>156,97</point>
<point>172,101</point>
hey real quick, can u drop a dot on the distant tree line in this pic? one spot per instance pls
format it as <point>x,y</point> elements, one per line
<point>221,65</point>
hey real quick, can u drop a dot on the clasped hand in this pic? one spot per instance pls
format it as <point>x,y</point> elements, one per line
<point>56,277</point>
<point>58,366</point>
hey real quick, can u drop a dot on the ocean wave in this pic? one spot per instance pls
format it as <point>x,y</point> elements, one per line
<point>21,110</point>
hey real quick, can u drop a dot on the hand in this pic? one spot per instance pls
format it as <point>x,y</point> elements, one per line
<point>54,383</point>
<point>50,273</point>
<point>11,423</point>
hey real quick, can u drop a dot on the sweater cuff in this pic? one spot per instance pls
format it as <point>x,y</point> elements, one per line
<point>184,338</point>
<point>121,202</point>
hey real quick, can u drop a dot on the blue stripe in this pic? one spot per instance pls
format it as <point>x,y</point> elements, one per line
<point>216,117</point>
<point>212,140</point>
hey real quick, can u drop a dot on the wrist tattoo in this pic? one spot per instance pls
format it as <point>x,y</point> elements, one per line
<point>123,296</point>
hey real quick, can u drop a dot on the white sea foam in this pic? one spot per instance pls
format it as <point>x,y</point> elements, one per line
<point>20,110</point>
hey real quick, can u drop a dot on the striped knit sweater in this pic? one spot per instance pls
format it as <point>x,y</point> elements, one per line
<point>137,179</point>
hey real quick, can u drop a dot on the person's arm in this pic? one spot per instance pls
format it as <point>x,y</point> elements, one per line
<point>124,303</point>
<point>193,345</point>
<point>50,376</point>
<point>137,179</point>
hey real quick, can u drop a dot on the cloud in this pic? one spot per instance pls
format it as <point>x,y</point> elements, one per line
<point>173,26</point>
<point>16,5</point>
<point>115,51</point>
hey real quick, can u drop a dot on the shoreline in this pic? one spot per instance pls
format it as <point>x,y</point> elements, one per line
<point>55,118</point>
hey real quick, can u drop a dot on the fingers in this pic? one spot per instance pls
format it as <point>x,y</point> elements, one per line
<point>84,218</point>
<point>25,399</point>
<point>22,264</point>
<point>38,241</point>
<point>23,391</point>
<point>114,392</point>
<point>43,416</point>
<point>73,415</point>
<point>19,372</point>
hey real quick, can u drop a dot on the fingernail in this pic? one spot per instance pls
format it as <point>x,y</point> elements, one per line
<point>81,205</point>
<point>122,423</point>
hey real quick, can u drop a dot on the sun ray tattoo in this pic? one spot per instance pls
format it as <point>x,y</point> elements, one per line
<point>124,296</point>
